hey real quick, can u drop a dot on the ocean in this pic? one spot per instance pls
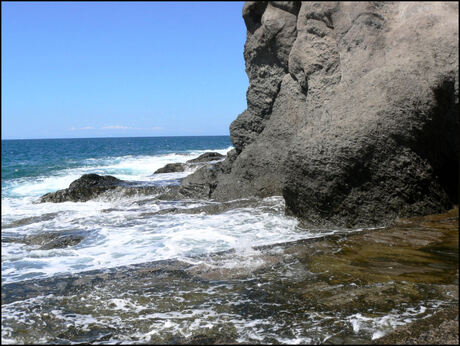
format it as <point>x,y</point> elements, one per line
<point>120,236</point>
<point>148,270</point>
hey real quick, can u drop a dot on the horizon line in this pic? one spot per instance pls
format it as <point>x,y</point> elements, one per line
<point>27,139</point>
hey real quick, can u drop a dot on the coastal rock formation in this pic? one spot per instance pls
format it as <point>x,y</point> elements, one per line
<point>90,186</point>
<point>171,168</point>
<point>352,112</point>
<point>207,157</point>
<point>180,167</point>
<point>83,189</point>
<point>202,183</point>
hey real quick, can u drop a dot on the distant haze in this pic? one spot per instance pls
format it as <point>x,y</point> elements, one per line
<point>121,69</point>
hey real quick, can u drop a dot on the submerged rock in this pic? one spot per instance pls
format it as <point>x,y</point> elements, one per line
<point>352,112</point>
<point>50,240</point>
<point>55,240</point>
<point>83,189</point>
<point>209,209</point>
<point>30,220</point>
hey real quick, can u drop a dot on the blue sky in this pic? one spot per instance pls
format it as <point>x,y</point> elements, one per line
<point>115,69</point>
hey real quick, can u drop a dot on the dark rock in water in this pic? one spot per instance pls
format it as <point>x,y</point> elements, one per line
<point>83,189</point>
<point>201,184</point>
<point>180,167</point>
<point>30,220</point>
<point>171,168</point>
<point>210,209</point>
<point>91,180</point>
<point>203,181</point>
<point>92,185</point>
<point>206,157</point>
<point>50,240</point>
<point>63,241</point>
<point>352,112</point>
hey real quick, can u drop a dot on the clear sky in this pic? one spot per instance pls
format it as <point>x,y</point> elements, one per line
<point>116,69</point>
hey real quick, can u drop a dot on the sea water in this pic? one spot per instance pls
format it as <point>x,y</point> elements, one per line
<point>118,232</point>
<point>142,275</point>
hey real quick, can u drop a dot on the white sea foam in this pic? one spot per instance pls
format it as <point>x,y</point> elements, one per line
<point>123,237</point>
<point>381,325</point>
<point>121,231</point>
<point>139,317</point>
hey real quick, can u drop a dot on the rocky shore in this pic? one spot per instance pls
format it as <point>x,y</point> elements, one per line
<point>352,112</point>
<point>340,288</point>
<point>87,187</point>
<point>353,119</point>
<point>193,163</point>
<point>439,329</point>
<point>90,186</point>
<point>413,262</point>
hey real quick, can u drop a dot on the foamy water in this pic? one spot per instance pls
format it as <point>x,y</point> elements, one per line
<point>120,231</point>
<point>243,293</point>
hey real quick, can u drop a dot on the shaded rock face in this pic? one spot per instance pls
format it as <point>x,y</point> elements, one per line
<point>203,182</point>
<point>83,189</point>
<point>352,111</point>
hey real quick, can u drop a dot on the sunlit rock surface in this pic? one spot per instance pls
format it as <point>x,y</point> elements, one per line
<point>352,111</point>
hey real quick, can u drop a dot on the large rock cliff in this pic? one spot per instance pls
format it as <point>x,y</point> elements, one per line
<point>352,111</point>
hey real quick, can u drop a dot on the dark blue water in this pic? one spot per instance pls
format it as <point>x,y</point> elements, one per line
<point>37,157</point>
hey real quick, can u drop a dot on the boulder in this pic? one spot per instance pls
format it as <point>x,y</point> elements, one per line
<point>180,167</point>
<point>352,112</point>
<point>88,186</point>
<point>202,183</point>
<point>206,157</point>
<point>171,168</point>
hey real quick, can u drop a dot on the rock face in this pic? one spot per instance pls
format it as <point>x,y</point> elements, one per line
<point>83,189</point>
<point>352,111</point>
<point>203,182</point>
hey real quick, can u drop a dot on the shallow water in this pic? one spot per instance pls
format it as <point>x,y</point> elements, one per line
<point>116,228</point>
<point>132,268</point>
<point>319,290</point>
